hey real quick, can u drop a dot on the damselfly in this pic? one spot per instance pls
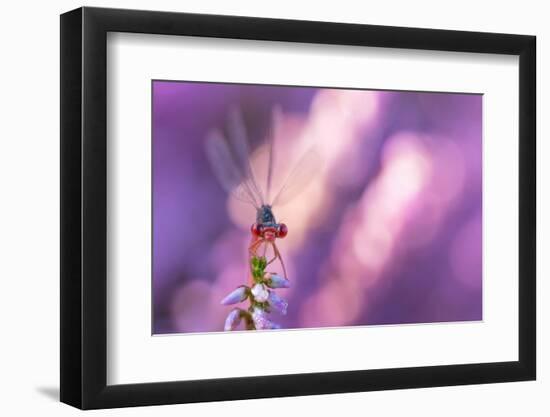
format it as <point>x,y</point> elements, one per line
<point>230,158</point>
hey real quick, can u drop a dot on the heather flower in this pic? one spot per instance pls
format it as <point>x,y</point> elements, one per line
<point>236,296</point>
<point>260,293</point>
<point>276,281</point>
<point>262,298</point>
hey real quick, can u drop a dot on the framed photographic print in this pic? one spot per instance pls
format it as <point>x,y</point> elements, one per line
<point>258,207</point>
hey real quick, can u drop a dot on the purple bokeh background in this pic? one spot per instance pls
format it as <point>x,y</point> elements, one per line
<point>389,231</point>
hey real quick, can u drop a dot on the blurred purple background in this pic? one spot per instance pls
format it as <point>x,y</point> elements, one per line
<point>388,232</point>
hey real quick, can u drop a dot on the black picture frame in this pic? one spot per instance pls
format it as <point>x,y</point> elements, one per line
<point>84,207</point>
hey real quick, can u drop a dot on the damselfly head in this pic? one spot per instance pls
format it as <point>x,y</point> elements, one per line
<point>269,231</point>
<point>266,226</point>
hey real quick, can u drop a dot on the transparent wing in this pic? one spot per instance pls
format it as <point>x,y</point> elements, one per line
<point>238,143</point>
<point>276,118</point>
<point>298,178</point>
<point>229,174</point>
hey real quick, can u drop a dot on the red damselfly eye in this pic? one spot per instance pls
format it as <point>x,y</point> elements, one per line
<point>282,230</point>
<point>256,229</point>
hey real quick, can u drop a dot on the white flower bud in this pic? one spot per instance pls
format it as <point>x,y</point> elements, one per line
<point>260,293</point>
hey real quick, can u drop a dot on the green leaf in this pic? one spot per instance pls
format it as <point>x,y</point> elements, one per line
<point>254,261</point>
<point>258,265</point>
<point>262,263</point>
